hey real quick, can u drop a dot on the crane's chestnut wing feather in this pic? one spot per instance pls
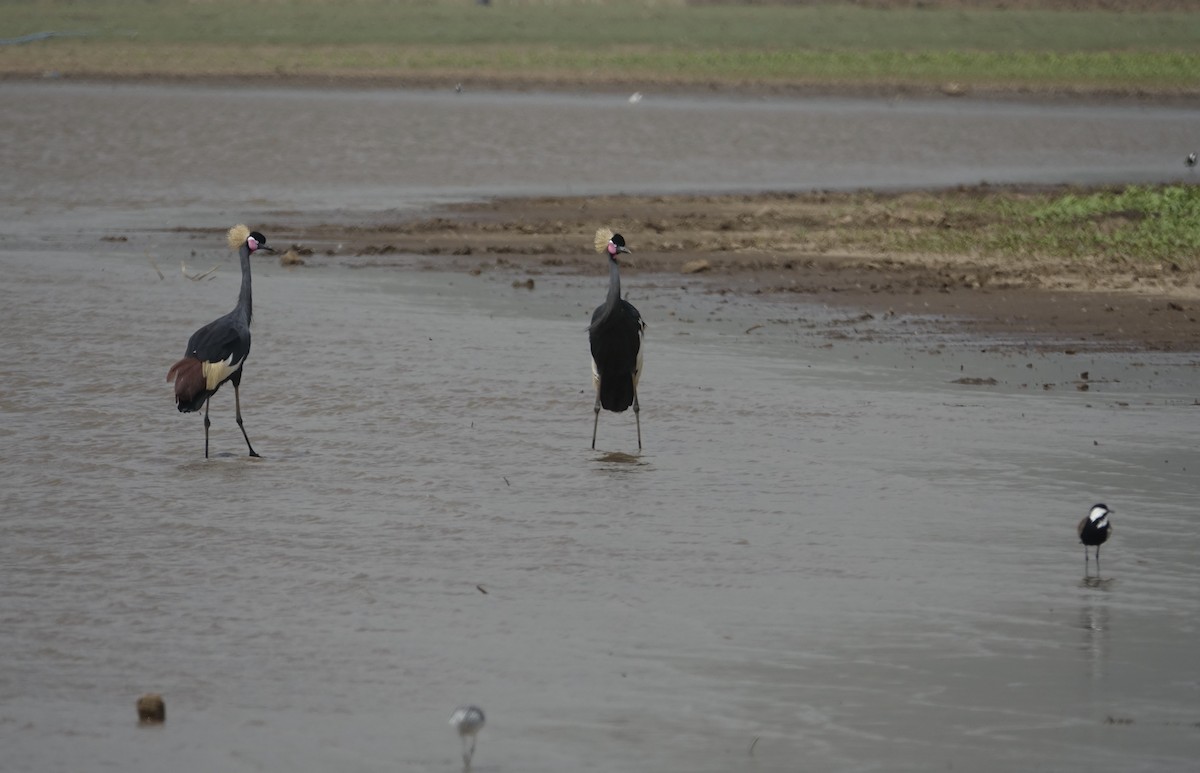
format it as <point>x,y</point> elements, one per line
<point>214,355</point>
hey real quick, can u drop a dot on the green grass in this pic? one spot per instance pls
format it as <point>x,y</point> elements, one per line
<point>1134,224</point>
<point>620,39</point>
<point>1155,222</point>
<point>823,27</point>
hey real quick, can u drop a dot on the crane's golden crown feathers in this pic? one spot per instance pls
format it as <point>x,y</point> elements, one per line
<point>237,236</point>
<point>603,237</point>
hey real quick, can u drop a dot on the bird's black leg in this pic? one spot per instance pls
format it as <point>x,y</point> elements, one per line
<point>596,421</point>
<point>468,751</point>
<point>1097,560</point>
<point>1087,572</point>
<point>206,425</point>
<point>637,417</point>
<point>237,407</point>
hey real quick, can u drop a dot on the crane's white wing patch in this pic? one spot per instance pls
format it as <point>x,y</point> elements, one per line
<point>637,368</point>
<point>216,372</point>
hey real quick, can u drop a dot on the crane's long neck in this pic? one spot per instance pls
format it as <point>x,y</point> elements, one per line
<point>614,287</point>
<point>245,304</point>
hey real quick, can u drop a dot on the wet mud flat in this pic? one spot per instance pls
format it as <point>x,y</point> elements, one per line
<point>752,244</point>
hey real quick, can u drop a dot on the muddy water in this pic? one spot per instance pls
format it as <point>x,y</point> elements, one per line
<point>139,149</point>
<point>828,557</point>
<point>833,550</point>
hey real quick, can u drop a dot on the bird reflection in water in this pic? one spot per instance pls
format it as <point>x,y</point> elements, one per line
<point>1095,624</point>
<point>619,457</point>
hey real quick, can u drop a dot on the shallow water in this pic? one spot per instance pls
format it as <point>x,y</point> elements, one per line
<point>828,557</point>
<point>147,156</point>
<point>833,550</point>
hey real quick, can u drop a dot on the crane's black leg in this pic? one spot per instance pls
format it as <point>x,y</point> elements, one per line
<point>637,417</point>
<point>596,421</point>
<point>207,423</point>
<point>237,407</point>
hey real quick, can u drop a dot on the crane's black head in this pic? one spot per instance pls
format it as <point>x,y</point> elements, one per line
<point>256,241</point>
<point>617,244</point>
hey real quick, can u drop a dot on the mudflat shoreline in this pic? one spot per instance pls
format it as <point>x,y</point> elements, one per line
<point>739,244</point>
<point>776,245</point>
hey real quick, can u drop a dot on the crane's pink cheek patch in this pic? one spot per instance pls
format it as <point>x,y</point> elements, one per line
<point>612,249</point>
<point>252,243</point>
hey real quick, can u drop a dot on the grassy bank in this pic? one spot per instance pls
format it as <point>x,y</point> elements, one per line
<point>614,40</point>
<point>1134,225</point>
<point>1104,230</point>
<point>1137,224</point>
<point>1119,227</point>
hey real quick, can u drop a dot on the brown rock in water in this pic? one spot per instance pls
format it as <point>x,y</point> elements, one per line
<point>151,709</point>
<point>291,258</point>
<point>694,266</point>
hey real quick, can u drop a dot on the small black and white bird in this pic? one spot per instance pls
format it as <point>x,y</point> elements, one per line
<point>468,721</point>
<point>216,352</point>
<point>615,336</point>
<point>1095,529</point>
<point>1190,161</point>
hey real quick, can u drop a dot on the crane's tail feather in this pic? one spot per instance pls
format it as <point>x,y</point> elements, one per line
<point>190,391</point>
<point>616,394</point>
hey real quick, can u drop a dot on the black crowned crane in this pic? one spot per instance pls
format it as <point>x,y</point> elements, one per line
<point>615,336</point>
<point>215,353</point>
<point>1095,530</point>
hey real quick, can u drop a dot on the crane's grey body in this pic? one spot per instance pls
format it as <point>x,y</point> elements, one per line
<point>216,352</point>
<point>615,337</point>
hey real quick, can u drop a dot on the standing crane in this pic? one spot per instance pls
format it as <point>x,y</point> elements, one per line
<point>1095,530</point>
<point>215,353</point>
<point>615,336</point>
